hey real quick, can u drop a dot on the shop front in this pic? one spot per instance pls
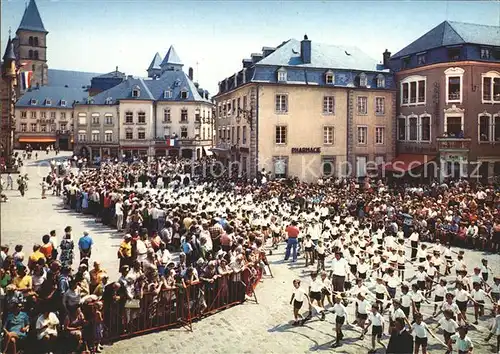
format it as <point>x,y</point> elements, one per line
<point>40,142</point>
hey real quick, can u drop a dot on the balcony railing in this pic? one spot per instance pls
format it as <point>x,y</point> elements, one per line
<point>448,143</point>
<point>454,96</point>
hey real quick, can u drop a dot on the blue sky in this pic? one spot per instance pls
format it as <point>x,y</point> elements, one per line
<point>98,35</point>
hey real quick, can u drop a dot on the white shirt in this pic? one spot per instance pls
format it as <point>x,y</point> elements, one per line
<point>452,307</point>
<point>339,310</point>
<point>462,344</point>
<point>405,300</point>
<point>439,290</point>
<point>461,295</point>
<point>363,306</point>
<point>316,285</point>
<point>339,267</point>
<point>376,319</point>
<point>478,295</point>
<point>299,295</point>
<point>51,321</point>
<point>449,326</point>
<point>398,313</point>
<point>118,208</point>
<point>420,330</point>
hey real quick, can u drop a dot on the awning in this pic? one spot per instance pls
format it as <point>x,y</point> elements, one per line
<point>37,139</point>
<point>207,150</point>
<point>407,162</point>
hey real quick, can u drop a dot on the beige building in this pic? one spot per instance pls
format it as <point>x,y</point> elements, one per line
<point>329,113</point>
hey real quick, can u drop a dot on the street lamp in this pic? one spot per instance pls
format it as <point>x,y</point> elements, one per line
<point>246,115</point>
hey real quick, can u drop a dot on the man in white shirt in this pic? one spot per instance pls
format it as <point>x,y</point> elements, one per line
<point>119,215</point>
<point>339,270</point>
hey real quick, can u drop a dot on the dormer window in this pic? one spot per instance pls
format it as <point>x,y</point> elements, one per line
<point>454,53</point>
<point>282,75</point>
<point>167,94</point>
<point>136,92</point>
<point>33,102</point>
<point>63,103</point>
<point>184,94</point>
<point>48,102</point>
<point>485,53</point>
<point>421,59</point>
<point>363,80</point>
<point>177,83</point>
<point>90,101</point>
<point>380,81</point>
<point>109,100</point>
<point>329,78</point>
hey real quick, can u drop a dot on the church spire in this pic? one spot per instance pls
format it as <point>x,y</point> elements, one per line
<point>31,20</point>
<point>9,51</point>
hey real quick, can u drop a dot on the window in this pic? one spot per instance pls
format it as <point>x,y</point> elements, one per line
<point>108,137</point>
<point>82,119</point>
<point>454,88</point>
<point>24,114</point>
<point>136,92</point>
<point>229,134</point>
<point>184,132</point>
<point>167,94</point>
<point>238,134</point>
<point>141,135</point>
<point>453,126</point>
<point>244,102</point>
<point>362,135</point>
<point>485,53</point>
<point>239,105</point>
<point>363,80</point>
<point>484,127</point>
<point>280,137</point>
<point>281,103</point>
<point>129,135</point>
<point>184,115</point>
<point>379,135</point>
<point>281,75</point>
<point>420,59</point>
<point>425,128</point>
<point>30,41</point>
<point>95,118</point>
<point>328,137</point>
<point>402,128</point>
<point>43,115</point>
<point>413,90</point>
<point>129,117</point>
<point>63,103</point>
<point>166,131</point>
<point>82,136</point>
<point>35,41</point>
<point>30,54</point>
<point>362,105</point>
<point>328,166</point>
<point>33,114</point>
<point>62,115</point>
<point>184,94</point>
<point>63,126</point>
<point>53,128</point>
<point>24,127</point>
<point>232,135</point>
<point>380,81</point>
<point>413,128</point>
<point>454,53</point>
<point>329,77</point>
<point>33,127</point>
<point>141,118</point>
<point>166,115</point>
<point>405,62</point>
<point>48,102</point>
<point>491,87</point>
<point>35,54</point>
<point>108,119</point>
<point>496,127</point>
<point>329,105</point>
<point>244,134</point>
<point>95,137</point>
<point>280,167</point>
<point>229,110</point>
<point>379,106</point>
<point>43,128</point>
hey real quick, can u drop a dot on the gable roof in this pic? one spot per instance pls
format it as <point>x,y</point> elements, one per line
<point>74,79</point>
<point>31,20</point>
<point>449,33</point>
<point>54,94</point>
<point>171,57</point>
<point>156,62</point>
<point>325,56</point>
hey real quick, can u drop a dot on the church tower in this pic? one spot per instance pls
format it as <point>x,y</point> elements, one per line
<point>30,45</point>
<point>8,84</point>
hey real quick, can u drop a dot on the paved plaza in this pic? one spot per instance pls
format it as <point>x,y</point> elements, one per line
<point>249,328</point>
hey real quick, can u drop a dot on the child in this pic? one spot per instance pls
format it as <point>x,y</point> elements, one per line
<point>405,300</point>
<point>439,293</point>
<point>463,341</point>
<point>381,292</point>
<point>448,325</point>
<point>309,249</point>
<point>18,255</point>
<point>495,291</point>
<point>326,291</point>
<point>298,297</point>
<point>315,289</point>
<point>416,298</point>
<point>420,329</point>
<point>321,252</point>
<point>377,322</point>
<point>362,306</point>
<point>485,269</point>
<point>340,318</point>
<point>495,330</point>
<point>479,296</point>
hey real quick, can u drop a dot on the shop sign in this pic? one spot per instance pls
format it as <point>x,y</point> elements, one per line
<point>306,150</point>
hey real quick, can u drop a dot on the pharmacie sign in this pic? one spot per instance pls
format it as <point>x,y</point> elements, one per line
<point>306,150</point>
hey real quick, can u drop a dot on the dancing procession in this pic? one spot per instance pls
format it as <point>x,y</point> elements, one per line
<point>372,260</point>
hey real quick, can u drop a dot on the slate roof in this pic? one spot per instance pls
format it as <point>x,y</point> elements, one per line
<point>31,20</point>
<point>54,94</point>
<point>449,33</point>
<point>111,75</point>
<point>325,56</point>
<point>156,62</point>
<point>171,57</point>
<point>9,51</point>
<point>74,79</point>
<point>175,81</point>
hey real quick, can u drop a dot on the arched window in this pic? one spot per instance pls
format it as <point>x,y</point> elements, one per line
<point>36,54</point>
<point>30,54</point>
<point>30,40</point>
<point>36,41</point>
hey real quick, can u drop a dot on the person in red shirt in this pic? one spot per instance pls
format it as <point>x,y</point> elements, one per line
<point>292,232</point>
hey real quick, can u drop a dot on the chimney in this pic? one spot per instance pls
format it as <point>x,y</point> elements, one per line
<point>116,69</point>
<point>256,57</point>
<point>247,63</point>
<point>305,50</point>
<point>190,74</point>
<point>386,56</point>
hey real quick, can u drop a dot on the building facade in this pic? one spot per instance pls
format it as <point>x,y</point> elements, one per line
<point>44,117</point>
<point>448,106</point>
<point>8,84</point>
<point>165,115</point>
<point>307,110</point>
